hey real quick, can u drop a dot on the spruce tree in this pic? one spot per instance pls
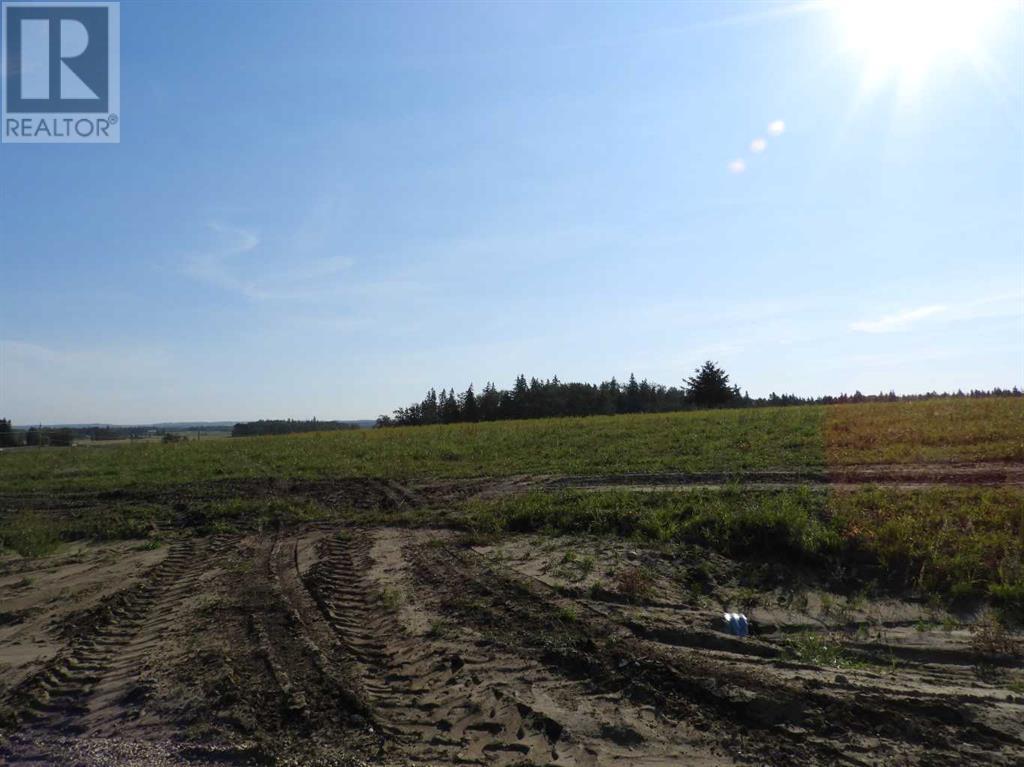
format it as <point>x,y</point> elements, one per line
<point>450,408</point>
<point>469,410</point>
<point>709,387</point>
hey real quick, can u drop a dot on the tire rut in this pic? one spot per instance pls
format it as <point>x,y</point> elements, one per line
<point>754,711</point>
<point>429,698</point>
<point>67,697</point>
<point>303,654</point>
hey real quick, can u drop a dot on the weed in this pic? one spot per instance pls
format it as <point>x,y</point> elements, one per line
<point>746,599</point>
<point>838,609</point>
<point>574,567</point>
<point>634,583</point>
<point>241,567</point>
<point>438,629</point>
<point>1009,599</point>
<point>817,649</point>
<point>990,638</point>
<point>568,614</point>
<point>31,533</point>
<point>475,539</point>
<point>208,604</point>
<point>391,598</point>
<point>238,514</point>
<point>791,599</point>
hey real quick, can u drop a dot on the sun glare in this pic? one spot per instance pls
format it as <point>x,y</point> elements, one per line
<point>902,39</point>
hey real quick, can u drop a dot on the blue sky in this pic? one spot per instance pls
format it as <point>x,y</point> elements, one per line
<point>322,209</point>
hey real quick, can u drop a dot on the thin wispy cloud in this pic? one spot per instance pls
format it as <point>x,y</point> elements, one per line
<point>899,321</point>
<point>986,308</point>
<point>216,266</point>
<point>232,266</point>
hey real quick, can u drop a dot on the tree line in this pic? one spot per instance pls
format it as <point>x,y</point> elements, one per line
<point>288,426</point>
<point>34,436</point>
<point>709,387</point>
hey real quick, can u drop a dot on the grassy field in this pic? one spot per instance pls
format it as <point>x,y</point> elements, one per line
<point>731,441</point>
<point>932,430</point>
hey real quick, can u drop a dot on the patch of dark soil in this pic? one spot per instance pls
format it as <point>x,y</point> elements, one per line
<point>983,473</point>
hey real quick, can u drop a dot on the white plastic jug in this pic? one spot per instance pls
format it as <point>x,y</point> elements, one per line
<point>737,624</point>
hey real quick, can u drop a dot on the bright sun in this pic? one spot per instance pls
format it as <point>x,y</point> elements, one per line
<point>902,39</point>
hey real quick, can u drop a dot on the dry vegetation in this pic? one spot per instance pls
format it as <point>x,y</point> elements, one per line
<point>936,430</point>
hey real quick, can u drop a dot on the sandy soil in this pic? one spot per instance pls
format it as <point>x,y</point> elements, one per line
<point>334,645</point>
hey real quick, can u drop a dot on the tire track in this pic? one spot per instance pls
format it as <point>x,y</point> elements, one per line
<point>61,698</point>
<point>436,701</point>
<point>302,650</point>
<point>735,696</point>
<point>450,695</point>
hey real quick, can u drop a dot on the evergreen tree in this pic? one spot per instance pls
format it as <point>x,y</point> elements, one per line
<point>490,402</point>
<point>709,387</point>
<point>450,407</point>
<point>7,436</point>
<point>470,411</point>
<point>632,395</point>
<point>520,397</point>
<point>429,409</point>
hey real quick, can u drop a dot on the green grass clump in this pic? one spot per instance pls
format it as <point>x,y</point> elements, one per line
<point>741,521</point>
<point>818,650</point>
<point>956,541</point>
<point>36,534</point>
<point>253,514</point>
<point>30,533</point>
<point>116,523</point>
<point>959,540</point>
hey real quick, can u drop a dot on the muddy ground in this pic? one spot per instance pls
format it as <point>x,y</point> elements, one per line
<point>350,644</point>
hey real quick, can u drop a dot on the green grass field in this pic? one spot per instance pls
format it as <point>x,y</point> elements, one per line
<point>730,441</point>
